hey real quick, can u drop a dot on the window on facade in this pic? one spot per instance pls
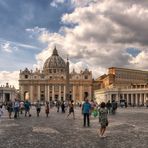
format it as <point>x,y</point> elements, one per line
<point>54,70</point>
<point>50,77</point>
<point>86,77</point>
<point>61,70</point>
<point>50,71</point>
<point>26,76</point>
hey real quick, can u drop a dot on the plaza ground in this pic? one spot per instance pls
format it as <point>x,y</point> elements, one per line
<point>127,129</point>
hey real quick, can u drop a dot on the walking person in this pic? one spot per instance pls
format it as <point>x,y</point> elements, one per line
<point>27,106</point>
<point>103,119</point>
<point>71,109</point>
<point>1,111</point>
<point>58,105</point>
<point>16,108</point>
<point>109,106</point>
<point>47,108</point>
<point>63,107</point>
<point>86,110</point>
<point>21,107</point>
<point>114,106</point>
<point>38,108</point>
<point>9,107</point>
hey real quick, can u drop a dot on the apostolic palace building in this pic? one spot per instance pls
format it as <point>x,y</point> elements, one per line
<point>55,82</point>
<point>123,84</point>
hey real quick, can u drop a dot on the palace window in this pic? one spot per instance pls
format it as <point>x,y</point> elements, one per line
<point>26,76</point>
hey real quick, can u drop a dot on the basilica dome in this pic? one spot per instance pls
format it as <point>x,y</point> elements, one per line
<point>54,62</point>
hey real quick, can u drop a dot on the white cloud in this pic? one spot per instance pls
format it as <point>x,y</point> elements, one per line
<point>9,46</point>
<point>9,77</point>
<point>55,3</point>
<point>74,3</point>
<point>102,31</point>
<point>6,47</point>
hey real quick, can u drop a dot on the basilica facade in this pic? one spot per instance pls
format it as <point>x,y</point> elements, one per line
<point>55,82</point>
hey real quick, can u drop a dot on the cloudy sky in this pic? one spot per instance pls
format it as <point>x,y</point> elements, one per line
<point>96,34</point>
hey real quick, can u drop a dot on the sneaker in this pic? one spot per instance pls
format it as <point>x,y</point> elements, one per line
<point>104,136</point>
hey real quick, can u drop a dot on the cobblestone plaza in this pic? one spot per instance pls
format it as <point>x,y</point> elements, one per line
<point>127,129</point>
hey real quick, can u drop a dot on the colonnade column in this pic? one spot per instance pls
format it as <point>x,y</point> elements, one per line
<point>127,97</point>
<point>122,96</point>
<point>136,99</point>
<point>3,95</point>
<point>132,101</point>
<point>145,98</point>
<point>109,97</point>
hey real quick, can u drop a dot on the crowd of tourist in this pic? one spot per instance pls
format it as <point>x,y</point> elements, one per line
<point>88,108</point>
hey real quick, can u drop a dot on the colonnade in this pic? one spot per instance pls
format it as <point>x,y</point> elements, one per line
<point>131,98</point>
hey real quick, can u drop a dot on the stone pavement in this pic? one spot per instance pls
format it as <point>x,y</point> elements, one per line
<point>127,129</point>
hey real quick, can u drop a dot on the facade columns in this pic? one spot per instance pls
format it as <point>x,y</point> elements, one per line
<point>90,92</point>
<point>39,96</point>
<point>48,93</point>
<point>53,96</point>
<point>64,92</point>
<point>59,92</point>
<point>73,93</point>
<point>22,93</point>
<point>31,93</point>
<point>140,101</point>
<point>81,93</point>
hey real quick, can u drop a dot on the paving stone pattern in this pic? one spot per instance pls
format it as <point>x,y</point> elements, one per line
<point>127,129</point>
